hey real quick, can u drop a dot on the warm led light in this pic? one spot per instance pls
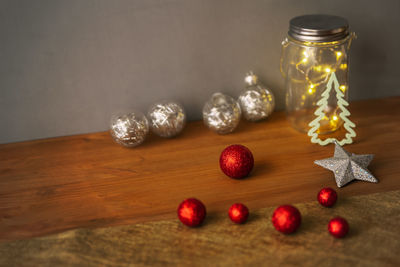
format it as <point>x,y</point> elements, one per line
<point>335,118</point>
<point>338,54</point>
<point>311,89</point>
<point>343,66</point>
<point>318,68</point>
<point>343,88</point>
<point>305,53</point>
<point>304,60</point>
<point>327,70</point>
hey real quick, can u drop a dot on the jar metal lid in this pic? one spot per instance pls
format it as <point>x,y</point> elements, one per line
<point>318,28</point>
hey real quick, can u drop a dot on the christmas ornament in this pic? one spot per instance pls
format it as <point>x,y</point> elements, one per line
<point>191,212</point>
<point>167,119</point>
<point>221,113</point>
<point>236,161</point>
<point>238,213</point>
<point>130,129</point>
<point>338,227</point>
<point>323,105</point>
<point>348,166</point>
<point>256,101</point>
<point>286,219</point>
<point>327,197</point>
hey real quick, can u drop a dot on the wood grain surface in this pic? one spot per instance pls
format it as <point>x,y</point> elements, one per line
<point>52,185</point>
<point>373,240</point>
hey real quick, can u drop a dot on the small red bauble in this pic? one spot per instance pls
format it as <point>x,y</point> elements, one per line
<point>286,219</point>
<point>191,212</point>
<point>327,197</point>
<point>338,227</point>
<point>238,213</point>
<point>236,161</point>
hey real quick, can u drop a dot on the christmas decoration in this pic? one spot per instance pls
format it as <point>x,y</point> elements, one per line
<point>238,213</point>
<point>167,119</point>
<point>348,166</point>
<point>256,101</point>
<point>327,197</point>
<point>338,227</point>
<point>286,219</point>
<point>323,105</point>
<point>236,161</point>
<point>316,46</point>
<point>191,212</point>
<point>221,113</point>
<point>130,129</point>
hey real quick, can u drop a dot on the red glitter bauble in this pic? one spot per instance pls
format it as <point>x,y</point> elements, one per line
<point>236,161</point>
<point>286,219</point>
<point>238,213</point>
<point>327,197</point>
<point>191,212</point>
<point>338,227</point>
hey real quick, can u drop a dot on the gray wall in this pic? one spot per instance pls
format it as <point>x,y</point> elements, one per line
<point>67,65</point>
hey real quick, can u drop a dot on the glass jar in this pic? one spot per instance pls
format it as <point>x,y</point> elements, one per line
<point>316,47</point>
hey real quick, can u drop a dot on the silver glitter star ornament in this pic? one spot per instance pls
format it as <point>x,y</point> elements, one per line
<point>348,166</point>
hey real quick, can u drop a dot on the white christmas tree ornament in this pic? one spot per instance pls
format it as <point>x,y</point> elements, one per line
<point>322,105</point>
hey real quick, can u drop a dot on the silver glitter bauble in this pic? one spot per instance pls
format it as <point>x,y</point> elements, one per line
<point>129,129</point>
<point>256,101</point>
<point>167,119</point>
<point>221,113</point>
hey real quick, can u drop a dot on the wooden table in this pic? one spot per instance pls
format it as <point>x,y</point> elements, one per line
<point>85,181</point>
